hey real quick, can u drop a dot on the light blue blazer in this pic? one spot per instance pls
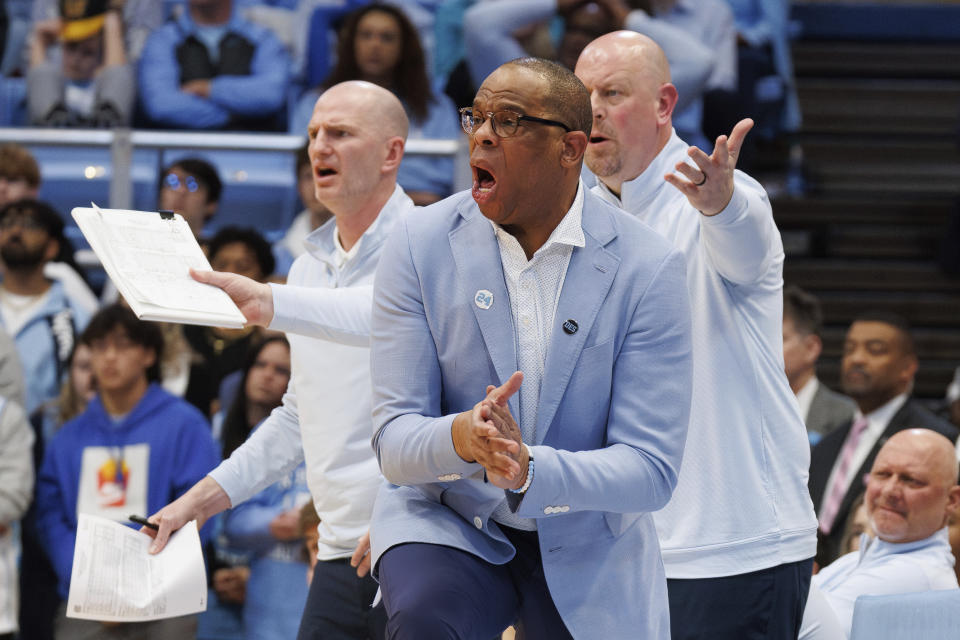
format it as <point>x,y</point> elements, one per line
<point>611,421</point>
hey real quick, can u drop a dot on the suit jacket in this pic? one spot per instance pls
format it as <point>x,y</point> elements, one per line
<point>611,419</point>
<point>911,415</point>
<point>829,410</point>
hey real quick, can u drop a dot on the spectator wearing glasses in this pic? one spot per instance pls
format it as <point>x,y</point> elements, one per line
<point>133,449</point>
<point>92,86</point>
<point>35,310</point>
<point>20,178</point>
<point>192,188</point>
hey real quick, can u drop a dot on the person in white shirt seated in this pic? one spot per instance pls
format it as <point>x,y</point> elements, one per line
<point>911,490</point>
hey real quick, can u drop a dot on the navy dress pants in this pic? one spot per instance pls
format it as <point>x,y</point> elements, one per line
<point>338,605</point>
<point>437,592</point>
<point>762,605</point>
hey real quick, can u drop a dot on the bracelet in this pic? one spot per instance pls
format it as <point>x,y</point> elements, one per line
<point>526,485</point>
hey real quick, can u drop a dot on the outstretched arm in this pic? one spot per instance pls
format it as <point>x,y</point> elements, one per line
<point>338,315</point>
<point>737,225</point>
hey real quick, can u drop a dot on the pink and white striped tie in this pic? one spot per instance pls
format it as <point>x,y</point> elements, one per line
<point>832,505</point>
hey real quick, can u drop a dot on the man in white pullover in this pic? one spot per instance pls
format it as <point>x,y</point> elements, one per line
<point>739,534</point>
<point>357,134</point>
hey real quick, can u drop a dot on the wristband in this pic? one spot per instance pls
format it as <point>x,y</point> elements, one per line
<point>526,485</point>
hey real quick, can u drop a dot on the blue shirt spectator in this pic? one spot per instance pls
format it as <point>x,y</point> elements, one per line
<point>211,69</point>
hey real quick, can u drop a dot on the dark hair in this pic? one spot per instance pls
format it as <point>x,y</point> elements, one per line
<point>252,239</point>
<point>302,157</point>
<point>203,171</point>
<point>409,82</point>
<point>145,334</point>
<point>894,320</point>
<point>804,309</point>
<point>236,429</point>
<point>52,223</point>
<point>567,99</point>
<point>17,163</point>
<point>42,212</point>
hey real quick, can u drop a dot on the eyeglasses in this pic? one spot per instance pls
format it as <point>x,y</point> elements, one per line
<point>172,181</point>
<point>23,220</point>
<point>504,123</point>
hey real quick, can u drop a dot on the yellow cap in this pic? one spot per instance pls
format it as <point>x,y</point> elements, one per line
<point>82,29</point>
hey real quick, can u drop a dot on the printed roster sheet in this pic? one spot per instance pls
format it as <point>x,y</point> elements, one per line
<point>149,256</point>
<point>115,579</point>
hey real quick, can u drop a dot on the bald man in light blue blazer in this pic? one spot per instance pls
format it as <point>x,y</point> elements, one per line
<point>476,529</point>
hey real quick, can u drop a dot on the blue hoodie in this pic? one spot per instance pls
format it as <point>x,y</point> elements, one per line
<point>163,433</point>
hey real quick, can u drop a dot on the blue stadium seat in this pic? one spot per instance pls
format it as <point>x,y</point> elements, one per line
<point>13,102</point>
<point>930,615</point>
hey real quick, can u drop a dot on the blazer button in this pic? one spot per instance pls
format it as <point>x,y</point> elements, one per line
<point>477,522</point>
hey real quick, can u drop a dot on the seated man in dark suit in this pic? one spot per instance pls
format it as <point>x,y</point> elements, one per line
<point>823,409</point>
<point>879,364</point>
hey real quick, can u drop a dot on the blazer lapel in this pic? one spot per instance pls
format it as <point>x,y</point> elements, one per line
<point>589,276</point>
<point>477,257</point>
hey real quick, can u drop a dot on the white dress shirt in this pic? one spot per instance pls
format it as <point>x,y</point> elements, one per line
<point>805,396</point>
<point>877,421</point>
<point>534,287</point>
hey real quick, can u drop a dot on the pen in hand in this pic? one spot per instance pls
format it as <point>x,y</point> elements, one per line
<point>143,521</point>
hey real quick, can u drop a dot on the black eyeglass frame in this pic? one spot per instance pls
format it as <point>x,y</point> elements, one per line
<point>467,112</point>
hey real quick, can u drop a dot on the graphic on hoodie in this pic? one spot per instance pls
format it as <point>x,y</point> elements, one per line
<point>113,481</point>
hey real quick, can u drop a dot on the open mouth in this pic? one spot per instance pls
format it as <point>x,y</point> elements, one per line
<point>485,179</point>
<point>484,184</point>
<point>323,172</point>
<point>597,139</point>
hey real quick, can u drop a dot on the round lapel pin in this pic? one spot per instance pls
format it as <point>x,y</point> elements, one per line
<point>483,299</point>
<point>570,327</point>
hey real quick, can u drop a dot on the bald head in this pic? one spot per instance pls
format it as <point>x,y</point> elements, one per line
<point>627,50</point>
<point>376,108</point>
<point>356,139</point>
<point>632,99</point>
<point>935,450</point>
<point>912,485</point>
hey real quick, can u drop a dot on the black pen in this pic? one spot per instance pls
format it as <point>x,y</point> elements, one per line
<point>143,521</point>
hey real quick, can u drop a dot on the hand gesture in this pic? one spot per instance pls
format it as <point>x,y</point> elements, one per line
<point>709,185</point>
<point>488,434</point>
<point>361,556</point>
<point>200,502</point>
<point>254,299</point>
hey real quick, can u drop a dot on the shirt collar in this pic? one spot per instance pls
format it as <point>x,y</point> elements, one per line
<point>806,393</point>
<point>879,418</point>
<point>568,232</point>
<point>876,547</point>
<point>636,194</point>
<point>324,242</point>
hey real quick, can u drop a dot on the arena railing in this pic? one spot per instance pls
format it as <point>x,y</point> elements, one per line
<point>123,142</point>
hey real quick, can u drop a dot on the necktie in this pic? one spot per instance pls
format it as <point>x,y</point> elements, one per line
<point>832,506</point>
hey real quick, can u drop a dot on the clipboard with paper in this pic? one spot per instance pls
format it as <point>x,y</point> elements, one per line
<point>148,255</point>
